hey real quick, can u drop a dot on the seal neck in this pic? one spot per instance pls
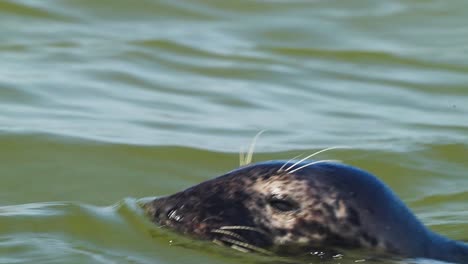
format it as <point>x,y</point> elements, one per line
<point>445,249</point>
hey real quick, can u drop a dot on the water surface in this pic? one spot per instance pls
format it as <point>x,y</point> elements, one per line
<point>106,102</point>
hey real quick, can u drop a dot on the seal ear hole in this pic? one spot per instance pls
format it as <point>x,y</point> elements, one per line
<point>282,203</point>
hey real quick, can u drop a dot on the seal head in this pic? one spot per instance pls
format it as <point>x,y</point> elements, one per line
<point>269,207</point>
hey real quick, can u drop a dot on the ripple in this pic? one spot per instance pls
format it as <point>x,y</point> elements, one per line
<point>100,102</point>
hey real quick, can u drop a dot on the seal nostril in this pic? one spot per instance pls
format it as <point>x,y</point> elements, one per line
<point>165,211</point>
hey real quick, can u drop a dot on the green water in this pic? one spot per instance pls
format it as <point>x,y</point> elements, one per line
<point>103,103</point>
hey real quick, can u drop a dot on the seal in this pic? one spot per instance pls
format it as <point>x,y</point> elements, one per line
<point>292,208</point>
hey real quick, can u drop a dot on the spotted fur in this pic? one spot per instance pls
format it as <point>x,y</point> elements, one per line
<point>324,206</point>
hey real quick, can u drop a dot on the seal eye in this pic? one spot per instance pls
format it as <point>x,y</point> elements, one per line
<point>282,204</point>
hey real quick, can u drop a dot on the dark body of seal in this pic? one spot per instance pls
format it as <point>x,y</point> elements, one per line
<point>279,207</point>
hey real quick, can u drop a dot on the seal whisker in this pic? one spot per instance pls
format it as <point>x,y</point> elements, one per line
<point>228,233</point>
<point>287,162</point>
<point>241,157</point>
<point>218,242</point>
<point>245,246</point>
<point>313,154</point>
<point>248,156</point>
<point>241,249</point>
<point>211,218</point>
<point>312,163</point>
<point>249,228</point>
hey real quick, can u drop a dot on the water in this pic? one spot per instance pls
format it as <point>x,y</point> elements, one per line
<point>106,102</point>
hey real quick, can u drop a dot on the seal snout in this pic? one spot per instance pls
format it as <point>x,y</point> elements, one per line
<point>165,211</point>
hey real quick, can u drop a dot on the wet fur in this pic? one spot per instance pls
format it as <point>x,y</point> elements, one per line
<point>338,206</point>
